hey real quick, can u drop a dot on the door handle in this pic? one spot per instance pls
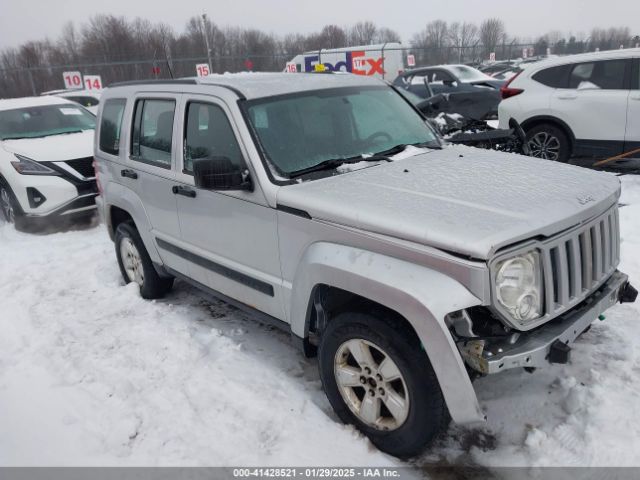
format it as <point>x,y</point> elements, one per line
<point>184,191</point>
<point>129,173</point>
<point>567,96</point>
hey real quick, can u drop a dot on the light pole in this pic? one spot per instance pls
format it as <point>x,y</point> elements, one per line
<point>206,38</point>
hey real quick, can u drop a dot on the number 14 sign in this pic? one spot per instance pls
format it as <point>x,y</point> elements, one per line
<point>75,81</point>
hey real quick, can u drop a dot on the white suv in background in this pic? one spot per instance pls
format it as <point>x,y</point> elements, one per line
<point>46,161</point>
<point>89,99</point>
<point>584,105</point>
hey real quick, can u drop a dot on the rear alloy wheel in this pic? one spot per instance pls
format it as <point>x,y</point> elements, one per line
<point>378,378</point>
<point>136,265</point>
<point>131,261</point>
<point>549,143</point>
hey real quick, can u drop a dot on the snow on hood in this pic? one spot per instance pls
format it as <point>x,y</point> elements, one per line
<point>459,199</point>
<point>54,148</point>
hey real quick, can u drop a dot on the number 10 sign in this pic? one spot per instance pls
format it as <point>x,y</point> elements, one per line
<point>72,79</point>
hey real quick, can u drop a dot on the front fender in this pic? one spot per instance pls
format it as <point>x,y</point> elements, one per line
<point>421,295</point>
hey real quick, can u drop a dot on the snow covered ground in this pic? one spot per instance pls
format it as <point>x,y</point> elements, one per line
<point>91,374</point>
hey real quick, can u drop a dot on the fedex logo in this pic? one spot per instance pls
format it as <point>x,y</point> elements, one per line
<point>355,62</point>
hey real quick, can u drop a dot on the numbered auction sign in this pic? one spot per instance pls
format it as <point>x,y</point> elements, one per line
<point>72,79</point>
<point>291,68</point>
<point>203,70</point>
<point>92,82</point>
<point>492,57</point>
<point>411,60</point>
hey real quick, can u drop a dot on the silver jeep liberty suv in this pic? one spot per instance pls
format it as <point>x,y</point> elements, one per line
<point>325,204</point>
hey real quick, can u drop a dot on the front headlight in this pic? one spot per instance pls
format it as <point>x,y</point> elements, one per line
<point>519,286</point>
<point>26,166</point>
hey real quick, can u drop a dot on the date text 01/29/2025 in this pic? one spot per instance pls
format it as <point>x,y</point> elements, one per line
<point>312,472</point>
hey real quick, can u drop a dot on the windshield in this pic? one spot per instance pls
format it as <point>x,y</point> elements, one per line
<point>42,121</point>
<point>469,74</point>
<point>303,130</point>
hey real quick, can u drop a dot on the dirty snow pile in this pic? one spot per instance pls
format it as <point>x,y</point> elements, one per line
<point>91,374</point>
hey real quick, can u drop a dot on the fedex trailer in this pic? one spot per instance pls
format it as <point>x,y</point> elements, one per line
<point>383,60</point>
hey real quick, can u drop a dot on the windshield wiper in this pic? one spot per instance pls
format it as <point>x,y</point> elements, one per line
<point>63,133</point>
<point>376,157</point>
<point>41,136</point>
<point>336,162</point>
<point>12,138</point>
<point>433,144</point>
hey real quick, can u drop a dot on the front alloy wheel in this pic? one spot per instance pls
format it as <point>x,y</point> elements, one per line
<point>378,378</point>
<point>371,384</point>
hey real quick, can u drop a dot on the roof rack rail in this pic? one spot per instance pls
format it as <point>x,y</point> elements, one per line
<point>179,81</point>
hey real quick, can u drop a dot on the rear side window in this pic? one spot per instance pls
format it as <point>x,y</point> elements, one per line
<point>208,134</point>
<point>110,125</point>
<point>440,76</point>
<point>152,139</point>
<point>554,77</point>
<point>607,75</point>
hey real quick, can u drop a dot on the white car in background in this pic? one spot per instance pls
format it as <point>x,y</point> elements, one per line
<point>46,161</point>
<point>584,105</point>
<point>89,99</point>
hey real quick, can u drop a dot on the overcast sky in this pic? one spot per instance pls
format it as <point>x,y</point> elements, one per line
<point>22,20</point>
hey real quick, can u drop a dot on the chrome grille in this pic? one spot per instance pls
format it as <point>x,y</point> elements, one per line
<point>577,263</point>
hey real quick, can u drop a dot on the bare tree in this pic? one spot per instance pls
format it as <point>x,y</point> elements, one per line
<point>363,33</point>
<point>492,33</point>
<point>463,36</point>
<point>332,36</point>
<point>431,43</point>
<point>386,35</point>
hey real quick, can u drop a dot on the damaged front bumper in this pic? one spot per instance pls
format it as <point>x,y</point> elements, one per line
<point>547,343</point>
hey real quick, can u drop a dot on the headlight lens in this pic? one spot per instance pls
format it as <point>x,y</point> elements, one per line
<point>26,166</point>
<point>519,286</point>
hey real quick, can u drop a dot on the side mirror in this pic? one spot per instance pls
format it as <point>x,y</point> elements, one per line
<point>219,173</point>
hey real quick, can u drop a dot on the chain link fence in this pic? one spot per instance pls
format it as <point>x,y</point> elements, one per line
<point>24,81</point>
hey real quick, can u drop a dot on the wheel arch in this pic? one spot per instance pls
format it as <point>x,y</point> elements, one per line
<point>419,297</point>
<point>123,204</point>
<point>555,121</point>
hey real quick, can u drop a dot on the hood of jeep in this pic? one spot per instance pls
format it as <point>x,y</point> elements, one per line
<point>459,199</point>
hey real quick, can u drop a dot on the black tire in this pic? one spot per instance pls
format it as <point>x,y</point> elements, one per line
<point>427,411</point>
<point>17,217</point>
<point>546,132</point>
<point>152,285</point>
